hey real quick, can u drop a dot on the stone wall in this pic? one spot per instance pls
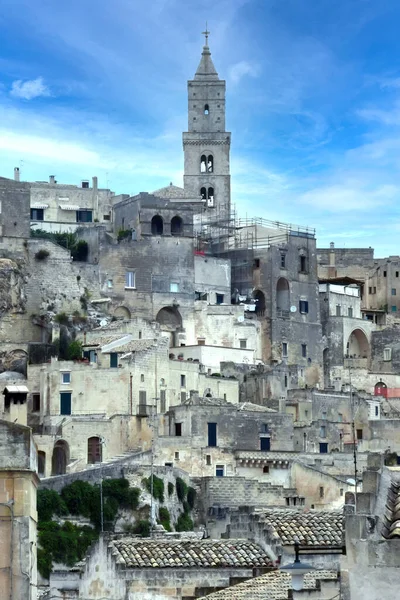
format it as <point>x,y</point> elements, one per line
<point>14,209</point>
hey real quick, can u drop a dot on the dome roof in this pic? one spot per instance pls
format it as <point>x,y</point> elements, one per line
<point>171,192</point>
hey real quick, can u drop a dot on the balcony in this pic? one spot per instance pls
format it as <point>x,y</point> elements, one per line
<point>143,410</point>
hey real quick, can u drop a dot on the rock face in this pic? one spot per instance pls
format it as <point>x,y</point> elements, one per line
<point>12,296</point>
<point>15,360</point>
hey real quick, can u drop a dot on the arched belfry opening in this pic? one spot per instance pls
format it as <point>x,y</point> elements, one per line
<point>203,163</point>
<point>176,225</point>
<point>210,163</point>
<point>210,196</point>
<point>157,225</point>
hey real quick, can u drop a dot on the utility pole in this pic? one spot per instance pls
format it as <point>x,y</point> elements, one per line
<point>352,408</point>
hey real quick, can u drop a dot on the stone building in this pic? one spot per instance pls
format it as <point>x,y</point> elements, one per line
<point>18,516</point>
<point>14,208</point>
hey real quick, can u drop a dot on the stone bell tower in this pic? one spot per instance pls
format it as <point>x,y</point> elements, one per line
<point>206,144</point>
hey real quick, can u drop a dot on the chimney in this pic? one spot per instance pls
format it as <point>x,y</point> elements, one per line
<point>94,183</point>
<point>52,179</point>
<point>16,173</point>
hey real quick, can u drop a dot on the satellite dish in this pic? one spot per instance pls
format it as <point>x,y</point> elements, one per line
<point>241,319</point>
<point>293,309</point>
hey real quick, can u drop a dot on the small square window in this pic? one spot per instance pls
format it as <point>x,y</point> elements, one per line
<point>243,344</point>
<point>219,298</point>
<point>303,306</point>
<point>341,491</point>
<point>338,310</point>
<point>266,469</point>
<point>201,342</point>
<point>219,470</point>
<point>393,291</point>
<point>176,455</point>
<point>350,311</point>
<point>304,350</point>
<point>359,434</point>
<point>65,377</point>
<point>394,308</point>
<point>183,380</point>
<point>174,287</point>
<point>284,349</point>
<point>340,417</point>
<point>130,280</point>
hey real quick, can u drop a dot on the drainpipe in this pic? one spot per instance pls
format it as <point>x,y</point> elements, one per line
<point>130,393</point>
<point>10,506</point>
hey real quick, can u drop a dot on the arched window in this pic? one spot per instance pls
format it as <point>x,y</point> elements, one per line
<point>203,193</point>
<point>210,163</point>
<point>206,109</point>
<point>358,345</point>
<point>210,196</point>
<point>41,462</point>
<point>176,226</point>
<point>203,163</point>
<point>94,450</point>
<point>157,225</point>
<point>260,303</point>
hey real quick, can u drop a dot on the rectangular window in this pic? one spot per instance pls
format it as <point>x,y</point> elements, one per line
<point>219,470</point>
<point>35,402</point>
<point>397,273</point>
<point>142,397</point>
<point>384,273</point>
<point>109,283</point>
<point>321,492</point>
<point>284,350</point>
<point>85,185</point>
<point>84,216</point>
<point>303,264</point>
<point>376,411</point>
<point>340,418</point>
<point>338,310</point>
<point>374,290</point>
<point>387,354</point>
<point>212,435</point>
<point>323,448</point>
<point>65,377</point>
<point>37,214</point>
<point>359,434</point>
<point>256,263</point>
<point>265,444</point>
<point>370,290</point>
<point>393,291</point>
<point>178,429</point>
<point>219,298</point>
<point>303,306</point>
<point>243,343</point>
<point>394,308</point>
<point>304,350</point>
<point>65,403</point>
<point>162,401</point>
<point>90,355</point>
<point>174,287</point>
<point>283,261</point>
<point>183,397</point>
<point>113,360</point>
<point>183,380</point>
<point>350,311</point>
<point>266,469</point>
<point>201,342</point>
<point>130,280</point>
<point>322,431</point>
<point>208,459</point>
<point>176,455</point>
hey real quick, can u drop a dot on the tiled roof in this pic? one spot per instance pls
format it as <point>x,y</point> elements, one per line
<point>134,553</point>
<point>132,346</point>
<point>271,586</point>
<point>255,407</point>
<point>103,340</point>
<point>311,528</point>
<point>170,191</point>
<point>391,519</point>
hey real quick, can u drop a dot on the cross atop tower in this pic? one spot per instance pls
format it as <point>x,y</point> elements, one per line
<point>206,33</point>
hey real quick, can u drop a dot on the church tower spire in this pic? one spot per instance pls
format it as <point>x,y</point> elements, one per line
<point>206,144</point>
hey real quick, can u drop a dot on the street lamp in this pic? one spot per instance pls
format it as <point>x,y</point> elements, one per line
<point>297,570</point>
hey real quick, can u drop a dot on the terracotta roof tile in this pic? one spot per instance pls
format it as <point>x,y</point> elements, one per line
<point>134,553</point>
<point>312,528</point>
<point>391,519</point>
<point>271,586</point>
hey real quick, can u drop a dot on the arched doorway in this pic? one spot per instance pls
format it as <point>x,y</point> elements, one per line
<point>122,312</point>
<point>358,345</point>
<point>176,226</point>
<point>380,389</point>
<point>282,295</point>
<point>157,225</point>
<point>259,297</point>
<point>60,458</point>
<point>170,320</point>
<point>95,450</point>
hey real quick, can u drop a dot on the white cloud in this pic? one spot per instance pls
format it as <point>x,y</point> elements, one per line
<point>241,69</point>
<point>29,89</point>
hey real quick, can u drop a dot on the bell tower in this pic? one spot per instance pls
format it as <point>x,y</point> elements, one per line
<point>206,144</point>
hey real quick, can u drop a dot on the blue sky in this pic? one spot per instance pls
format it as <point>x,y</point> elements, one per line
<point>98,87</point>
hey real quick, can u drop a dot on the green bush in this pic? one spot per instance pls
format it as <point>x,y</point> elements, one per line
<point>44,563</point>
<point>79,497</point>
<point>62,318</point>
<point>171,488</point>
<point>78,248</point>
<point>164,518</point>
<point>181,489</point>
<point>49,503</point>
<point>184,523</point>
<point>80,251</point>
<point>143,528</point>
<point>158,487</point>
<point>191,497</point>
<point>74,350</point>
<point>123,234</point>
<point>42,254</point>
